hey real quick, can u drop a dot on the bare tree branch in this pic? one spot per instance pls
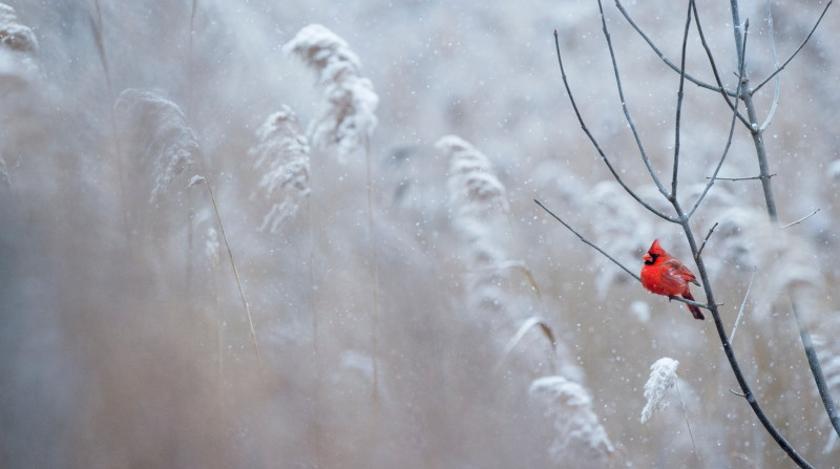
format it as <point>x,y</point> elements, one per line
<point>796,222</point>
<point>719,88</point>
<point>761,155</point>
<point>665,59</point>
<point>682,219</point>
<point>729,351</point>
<point>796,52</point>
<point>675,177</point>
<point>595,142</point>
<point>627,116</point>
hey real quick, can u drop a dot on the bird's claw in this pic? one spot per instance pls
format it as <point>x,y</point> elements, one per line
<point>670,298</point>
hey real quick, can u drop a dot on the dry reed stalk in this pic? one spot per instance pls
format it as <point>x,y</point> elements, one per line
<point>345,121</point>
<point>163,136</point>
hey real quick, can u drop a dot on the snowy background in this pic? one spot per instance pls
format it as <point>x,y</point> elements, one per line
<point>406,304</point>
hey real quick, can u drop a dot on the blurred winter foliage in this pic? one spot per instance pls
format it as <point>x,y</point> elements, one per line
<point>126,139</point>
<point>570,406</point>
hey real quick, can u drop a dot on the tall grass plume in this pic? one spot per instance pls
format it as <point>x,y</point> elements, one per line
<point>576,427</point>
<point>282,159</point>
<point>346,118</point>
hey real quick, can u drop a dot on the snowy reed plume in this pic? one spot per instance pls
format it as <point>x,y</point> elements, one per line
<point>161,137</point>
<point>576,426</point>
<point>663,378</point>
<point>475,191</point>
<point>479,207</point>
<point>479,214</point>
<point>18,47</point>
<point>347,116</point>
<point>14,35</point>
<point>282,157</point>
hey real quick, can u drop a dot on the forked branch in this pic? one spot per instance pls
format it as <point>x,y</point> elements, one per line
<point>719,87</point>
<point>595,142</point>
<point>665,59</point>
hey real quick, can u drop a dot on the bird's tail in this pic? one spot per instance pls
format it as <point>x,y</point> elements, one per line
<point>695,311</point>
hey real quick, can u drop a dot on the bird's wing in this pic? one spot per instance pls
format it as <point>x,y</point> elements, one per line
<point>677,268</point>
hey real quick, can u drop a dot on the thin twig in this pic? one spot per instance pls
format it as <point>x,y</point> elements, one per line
<point>665,59</point>
<point>749,178</point>
<point>796,52</point>
<point>796,222</point>
<point>595,142</point>
<point>731,129</point>
<point>739,394</point>
<point>611,258</point>
<point>589,243</point>
<point>674,177</point>
<point>627,116</point>
<point>777,92</point>
<point>742,307</point>
<point>706,239</point>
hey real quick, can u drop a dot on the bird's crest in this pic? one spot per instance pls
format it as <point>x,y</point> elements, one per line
<point>656,249</point>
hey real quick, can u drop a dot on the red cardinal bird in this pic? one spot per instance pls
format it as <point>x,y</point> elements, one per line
<point>664,275</point>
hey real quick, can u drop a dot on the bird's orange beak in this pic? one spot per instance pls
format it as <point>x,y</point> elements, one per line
<point>647,257</point>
